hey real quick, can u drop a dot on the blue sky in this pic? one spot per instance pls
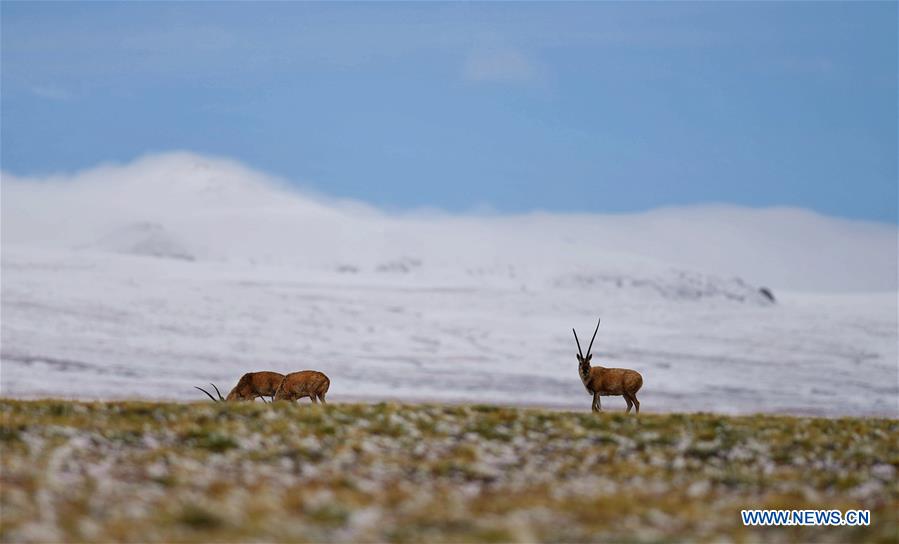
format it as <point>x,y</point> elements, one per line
<point>574,107</point>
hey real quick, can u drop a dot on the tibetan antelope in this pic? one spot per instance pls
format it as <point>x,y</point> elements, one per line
<point>305,383</point>
<point>601,381</point>
<point>251,385</point>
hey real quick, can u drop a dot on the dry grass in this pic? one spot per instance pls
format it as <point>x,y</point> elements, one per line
<point>155,472</point>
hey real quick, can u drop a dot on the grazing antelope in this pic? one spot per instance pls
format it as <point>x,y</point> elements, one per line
<point>601,381</point>
<point>305,383</point>
<point>251,385</point>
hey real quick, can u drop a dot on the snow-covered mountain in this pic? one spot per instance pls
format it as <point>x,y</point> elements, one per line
<point>217,209</point>
<point>146,278</point>
<point>142,238</point>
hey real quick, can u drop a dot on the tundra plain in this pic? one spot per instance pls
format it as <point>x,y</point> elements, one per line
<point>176,472</point>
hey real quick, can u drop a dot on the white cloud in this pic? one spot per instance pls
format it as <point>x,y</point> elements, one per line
<point>499,65</point>
<point>51,93</point>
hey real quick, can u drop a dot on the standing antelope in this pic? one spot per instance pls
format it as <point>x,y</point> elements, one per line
<point>601,381</point>
<point>251,385</point>
<point>305,383</point>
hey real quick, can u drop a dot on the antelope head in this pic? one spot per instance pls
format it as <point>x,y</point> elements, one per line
<point>235,394</point>
<point>238,394</point>
<point>220,399</point>
<point>584,362</point>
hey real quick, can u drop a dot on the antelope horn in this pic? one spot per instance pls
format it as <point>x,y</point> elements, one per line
<point>223,398</point>
<point>578,343</point>
<point>594,337</point>
<point>207,393</point>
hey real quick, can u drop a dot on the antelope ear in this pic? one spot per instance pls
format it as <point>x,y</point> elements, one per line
<point>589,357</point>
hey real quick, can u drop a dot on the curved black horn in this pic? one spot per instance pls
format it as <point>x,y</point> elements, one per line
<point>594,337</point>
<point>223,398</point>
<point>578,343</point>
<point>207,393</point>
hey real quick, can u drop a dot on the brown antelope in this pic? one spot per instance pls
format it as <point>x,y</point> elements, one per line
<point>305,383</point>
<point>601,381</point>
<point>251,385</point>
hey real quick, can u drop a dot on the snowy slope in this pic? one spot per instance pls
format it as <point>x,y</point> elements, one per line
<point>145,279</point>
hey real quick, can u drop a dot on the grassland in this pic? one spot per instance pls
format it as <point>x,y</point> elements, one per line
<point>156,472</point>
